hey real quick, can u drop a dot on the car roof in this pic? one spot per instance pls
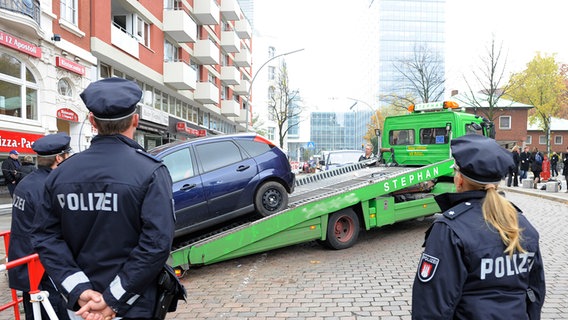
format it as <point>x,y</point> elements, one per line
<point>181,143</point>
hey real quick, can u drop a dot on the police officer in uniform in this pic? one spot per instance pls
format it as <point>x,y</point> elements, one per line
<point>481,258</point>
<point>51,151</point>
<point>106,227</point>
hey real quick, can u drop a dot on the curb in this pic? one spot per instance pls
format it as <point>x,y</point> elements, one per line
<point>544,194</point>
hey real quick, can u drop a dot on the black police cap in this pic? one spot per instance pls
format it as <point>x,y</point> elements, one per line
<point>52,144</point>
<point>481,159</point>
<point>112,98</point>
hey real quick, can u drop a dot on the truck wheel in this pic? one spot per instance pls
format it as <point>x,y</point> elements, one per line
<point>342,229</point>
<point>270,198</point>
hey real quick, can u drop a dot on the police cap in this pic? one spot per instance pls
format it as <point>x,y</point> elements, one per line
<point>52,144</point>
<point>481,159</point>
<point>112,98</point>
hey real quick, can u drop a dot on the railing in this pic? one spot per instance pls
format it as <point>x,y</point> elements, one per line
<point>30,8</point>
<point>35,274</point>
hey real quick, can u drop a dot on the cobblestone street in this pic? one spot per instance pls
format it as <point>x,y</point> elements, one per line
<point>372,280</point>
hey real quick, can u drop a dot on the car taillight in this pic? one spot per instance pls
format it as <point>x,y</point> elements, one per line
<point>264,140</point>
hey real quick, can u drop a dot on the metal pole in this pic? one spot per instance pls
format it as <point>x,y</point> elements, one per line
<point>254,77</point>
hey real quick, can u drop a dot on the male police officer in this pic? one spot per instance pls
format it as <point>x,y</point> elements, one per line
<point>51,151</point>
<point>107,225</point>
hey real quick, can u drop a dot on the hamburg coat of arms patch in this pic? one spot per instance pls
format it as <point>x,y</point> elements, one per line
<point>427,267</point>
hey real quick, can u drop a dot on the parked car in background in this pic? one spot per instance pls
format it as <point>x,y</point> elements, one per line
<point>218,178</point>
<point>337,158</point>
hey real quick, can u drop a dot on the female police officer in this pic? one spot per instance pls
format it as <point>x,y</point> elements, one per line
<point>481,258</point>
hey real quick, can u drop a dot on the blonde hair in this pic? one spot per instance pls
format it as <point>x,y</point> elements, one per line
<point>502,215</point>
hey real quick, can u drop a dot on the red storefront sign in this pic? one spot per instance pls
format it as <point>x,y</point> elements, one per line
<point>70,65</point>
<point>19,141</point>
<point>67,114</point>
<point>20,45</point>
<point>182,127</point>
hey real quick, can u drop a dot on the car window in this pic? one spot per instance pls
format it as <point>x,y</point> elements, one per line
<point>217,154</point>
<point>253,148</point>
<point>179,164</point>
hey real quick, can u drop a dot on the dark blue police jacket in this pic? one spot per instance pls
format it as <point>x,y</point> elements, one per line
<point>464,272</point>
<point>25,201</point>
<point>107,224</point>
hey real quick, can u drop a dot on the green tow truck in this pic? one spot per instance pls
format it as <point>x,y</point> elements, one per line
<point>333,207</point>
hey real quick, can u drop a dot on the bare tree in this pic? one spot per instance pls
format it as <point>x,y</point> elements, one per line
<point>422,78</point>
<point>284,105</point>
<point>490,78</point>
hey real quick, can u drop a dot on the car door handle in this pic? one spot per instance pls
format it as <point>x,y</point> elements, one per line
<point>187,187</point>
<point>242,168</point>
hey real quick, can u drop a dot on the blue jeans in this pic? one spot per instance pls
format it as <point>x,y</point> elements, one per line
<point>523,174</point>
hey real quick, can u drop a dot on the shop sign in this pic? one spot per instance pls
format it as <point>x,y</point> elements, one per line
<point>153,115</point>
<point>19,141</point>
<point>67,114</point>
<point>182,127</point>
<point>20,45</point>
<point>70,65</point>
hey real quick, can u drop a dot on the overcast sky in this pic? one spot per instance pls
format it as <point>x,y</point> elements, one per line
<point>325,29</point>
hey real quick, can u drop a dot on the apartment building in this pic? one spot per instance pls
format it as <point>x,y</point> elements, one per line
<point>192,60</point>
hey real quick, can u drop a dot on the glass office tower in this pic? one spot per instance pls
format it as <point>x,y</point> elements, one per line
<point>404,27</point>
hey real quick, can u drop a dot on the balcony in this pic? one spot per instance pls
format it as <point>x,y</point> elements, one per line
<point>206,52</point>
<point>124,41</point>
<point>206,12</point>
<point>243,29</point>
<point>242,116</point>
<point>230,75</point>
<point>243,88</point>
<point>230,10</point>
<point>230,42</point>
<point>179,75</point>
<point>230,108</point>
<point>206,93</point>
<point>179,25</point>
<point>28,8</point>
<point>243,58</point>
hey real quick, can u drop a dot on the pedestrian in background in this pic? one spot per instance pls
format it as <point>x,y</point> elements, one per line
<point>368,155</point>
<point>554,164</point>
<point>536,166</point>
<point>525,158</point>
<point>51,150</point>
<point>11,171</point>
<point>481,258</point>
<point>513,171</point>
<point>28,166</point>
<point>565,168</point>
<point>105,252</point>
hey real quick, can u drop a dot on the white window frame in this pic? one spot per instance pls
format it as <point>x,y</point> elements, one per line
<point>558,140</point>
<point>542,139</point>
<point>69,11</point>
<point>270,132</point>
<point>504,127</point>
<point>171,52</point>
<point>529,140</point>
<point>271,72</point>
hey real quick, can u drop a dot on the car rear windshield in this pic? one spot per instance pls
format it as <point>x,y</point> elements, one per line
<point>253,148</point>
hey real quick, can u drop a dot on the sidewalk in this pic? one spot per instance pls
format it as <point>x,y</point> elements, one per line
<point>560,196</point>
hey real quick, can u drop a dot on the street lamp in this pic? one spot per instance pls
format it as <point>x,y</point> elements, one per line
<point>254,77</point>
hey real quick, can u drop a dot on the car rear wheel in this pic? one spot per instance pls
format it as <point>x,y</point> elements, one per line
<point>270,198</point>
<point>342,230</point>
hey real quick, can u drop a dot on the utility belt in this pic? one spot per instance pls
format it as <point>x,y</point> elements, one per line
<point>170,290</point>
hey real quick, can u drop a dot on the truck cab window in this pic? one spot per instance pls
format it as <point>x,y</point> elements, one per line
<point>401,137</point>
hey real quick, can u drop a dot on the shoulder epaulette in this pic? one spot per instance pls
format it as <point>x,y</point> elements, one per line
<point>140,151</point>
<point>457,210</point>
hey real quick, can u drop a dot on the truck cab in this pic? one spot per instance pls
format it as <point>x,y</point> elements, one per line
<point>423,136</point>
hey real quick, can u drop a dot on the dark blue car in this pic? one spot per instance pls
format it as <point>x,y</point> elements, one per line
<point>218,178</point>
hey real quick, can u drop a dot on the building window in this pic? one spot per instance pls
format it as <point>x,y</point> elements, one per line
<point>18,89</point>
<point>529,140</point>
<point>271,52</point>
<point>542,139</point>
<point>270,133</point>
<point>68,11</point>
<point>271,91</point>
<point>558,140</point>
<point>271,73</point>
<point>135,26</point>
<point>64,88</point>
<point>171,52</point>
<point>505,122</point>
